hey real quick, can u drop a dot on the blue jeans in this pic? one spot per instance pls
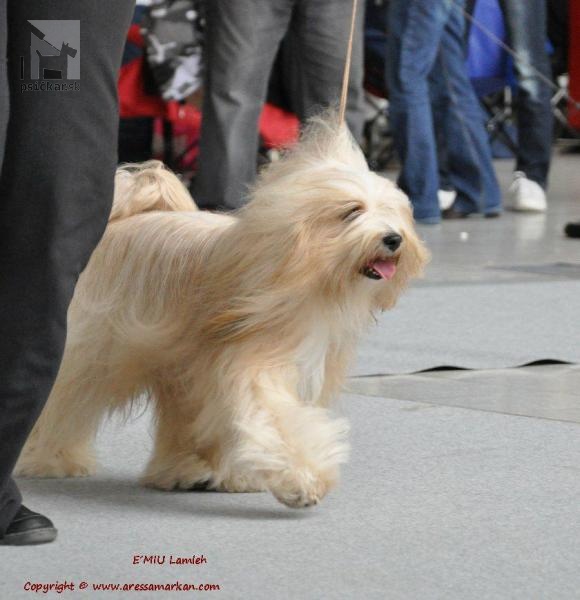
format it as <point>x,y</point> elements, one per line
<point>428,82</point>
<point>526,24</point>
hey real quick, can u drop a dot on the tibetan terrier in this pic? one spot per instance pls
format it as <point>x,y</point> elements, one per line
<point>238,328</point>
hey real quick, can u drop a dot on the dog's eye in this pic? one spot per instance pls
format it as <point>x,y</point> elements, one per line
<point>352,213</point>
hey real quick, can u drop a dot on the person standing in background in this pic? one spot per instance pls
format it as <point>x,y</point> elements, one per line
<point>242,39</point>
<point>58,128</point>
<point>526,25</point>
<point>427,80</point>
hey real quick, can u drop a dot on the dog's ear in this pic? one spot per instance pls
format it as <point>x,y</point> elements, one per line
<point>323,141</point>
<point>238,320</point>
<point>263,306</point>
<point>230,325</point>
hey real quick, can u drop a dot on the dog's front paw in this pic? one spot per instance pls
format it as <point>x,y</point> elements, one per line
<point>302,489</point>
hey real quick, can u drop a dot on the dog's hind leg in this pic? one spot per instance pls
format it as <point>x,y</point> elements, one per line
<point>61,442</point>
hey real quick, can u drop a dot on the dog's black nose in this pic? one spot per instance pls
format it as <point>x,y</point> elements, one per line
<point>392,241</point>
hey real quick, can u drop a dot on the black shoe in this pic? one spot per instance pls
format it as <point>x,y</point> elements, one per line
<point>452,214</point>
<point>28,528</point>
<point>572,230</point>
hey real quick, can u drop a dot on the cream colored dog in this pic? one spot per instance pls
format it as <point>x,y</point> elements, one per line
<point>238,328</point>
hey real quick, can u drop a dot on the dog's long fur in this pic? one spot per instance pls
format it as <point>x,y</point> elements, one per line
<point>239,328</point>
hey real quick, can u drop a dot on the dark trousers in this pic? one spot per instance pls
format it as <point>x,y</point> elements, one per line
<point>56,186</point>
<point>526,24</point>
<point>242,39</point>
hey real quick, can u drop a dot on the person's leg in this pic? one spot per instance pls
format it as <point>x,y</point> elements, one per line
<point>320,34</point>
<point>526,24</point>
<point>10,498</point>
<point>416,27</point>
<point>4,92</point>
<point>56,190</point>
<point>242,39</point>
<point>456,107</point>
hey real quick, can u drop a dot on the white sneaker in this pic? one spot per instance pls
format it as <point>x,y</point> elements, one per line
<point>446,198</point>
<point>526,195</point>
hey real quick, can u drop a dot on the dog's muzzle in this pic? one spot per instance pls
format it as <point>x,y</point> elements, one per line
<point>383,267</point>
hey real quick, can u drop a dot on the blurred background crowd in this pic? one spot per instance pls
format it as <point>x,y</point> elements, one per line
<point>438,89</point>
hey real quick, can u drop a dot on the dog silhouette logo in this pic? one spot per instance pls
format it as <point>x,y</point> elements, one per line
<point>55,66</point>
<point>54,55</point>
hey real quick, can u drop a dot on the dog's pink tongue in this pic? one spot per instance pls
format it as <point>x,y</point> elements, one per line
<point>385,268</point>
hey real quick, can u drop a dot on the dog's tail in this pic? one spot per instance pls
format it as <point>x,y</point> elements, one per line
<point>148,186</point>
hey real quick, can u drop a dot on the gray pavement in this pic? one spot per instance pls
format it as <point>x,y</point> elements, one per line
<point>462,484</point>
<point>512,248</point>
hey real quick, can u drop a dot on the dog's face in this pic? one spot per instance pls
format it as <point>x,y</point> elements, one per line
<point>361,235</point>
<point>342,228</point>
